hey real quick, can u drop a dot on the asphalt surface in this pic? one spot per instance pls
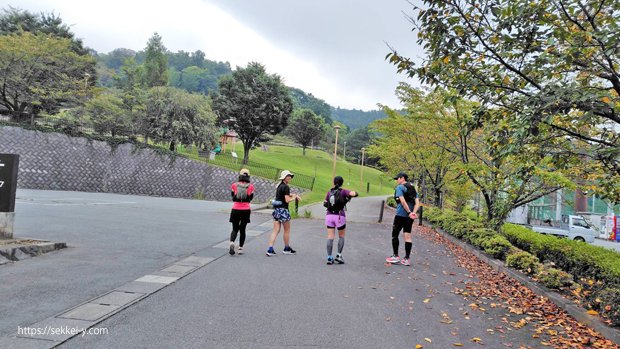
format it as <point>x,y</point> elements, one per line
<point>247,301</point>
<point>112,239</point>
<point>254,301</point>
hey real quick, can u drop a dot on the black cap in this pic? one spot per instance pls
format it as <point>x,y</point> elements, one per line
<point>401,174</point>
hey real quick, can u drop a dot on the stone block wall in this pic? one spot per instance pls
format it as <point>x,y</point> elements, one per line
<point>55,161</point>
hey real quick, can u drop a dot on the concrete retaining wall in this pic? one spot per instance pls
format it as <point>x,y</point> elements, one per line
<point>55,161</point>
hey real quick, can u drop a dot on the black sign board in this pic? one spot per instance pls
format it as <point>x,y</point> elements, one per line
<point>8,181</point>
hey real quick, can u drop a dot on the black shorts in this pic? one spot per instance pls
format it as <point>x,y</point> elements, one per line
<point>404,223</point>
<point>241,216</point>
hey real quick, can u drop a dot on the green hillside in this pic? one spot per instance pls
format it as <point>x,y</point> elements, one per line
<point>319,164</point>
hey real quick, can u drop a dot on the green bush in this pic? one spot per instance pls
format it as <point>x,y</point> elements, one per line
<point>523,261</point>
<point>584,261</point>
<point>607,302</point>
<point>597,269</point>
<point>497,246</point>
<point>478,235</point>
<point>554,278</point>
<point>391,201</point>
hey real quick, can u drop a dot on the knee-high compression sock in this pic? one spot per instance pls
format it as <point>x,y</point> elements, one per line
<point>330,246</point>
<point>340,244</point>
<point>242,234</point>
<point>233,233</point>
<point>408,249</point>
<point>395,233</point>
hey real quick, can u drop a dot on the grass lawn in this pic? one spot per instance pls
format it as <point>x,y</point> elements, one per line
<point>318,164</point>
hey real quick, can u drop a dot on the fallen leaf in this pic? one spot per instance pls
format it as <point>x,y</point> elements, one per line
<point>418,346</point>
<point>388,318</point>
<point>592,312</point>
<point>458,344</point>
<point>476,340</point>
<point>427,300</point>
<point>428,340</point>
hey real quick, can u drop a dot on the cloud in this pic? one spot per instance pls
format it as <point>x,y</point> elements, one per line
<point>332,49</point>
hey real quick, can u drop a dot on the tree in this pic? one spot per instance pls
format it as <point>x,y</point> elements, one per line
<point>175,116</point>
<point>553,62</point>
<point>305,100</point>
<point>356,140</point>
<point>420,140</point>
<point>14,20</point>
<point>40,71</point>
<point>254,104</point>
<point>108,115</point>
<point>305,127</point>
<point>155,63</point>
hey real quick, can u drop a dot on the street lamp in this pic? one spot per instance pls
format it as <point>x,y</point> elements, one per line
<point>335,151</point>
<point>362,171</point>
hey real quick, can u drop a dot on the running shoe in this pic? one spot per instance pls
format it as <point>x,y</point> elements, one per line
<point>231,250</point>
<point>271,252</point>
<point>393,259</point>
<point>339,259</point>
<point>240,250</point>
<point>289,251</point>
<point>330,260</point>
<point>405,261</point>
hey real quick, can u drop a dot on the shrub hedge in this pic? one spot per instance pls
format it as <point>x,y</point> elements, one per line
<point>595,269</point>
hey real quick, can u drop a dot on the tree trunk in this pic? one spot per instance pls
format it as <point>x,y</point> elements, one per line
<point>581,202</point>
<point>246,152</point>
<point>437,197</point>
<point>303,150</point>
<point>173,145</point>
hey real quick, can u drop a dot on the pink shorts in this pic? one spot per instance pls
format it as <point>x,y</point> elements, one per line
<point>335,221</point>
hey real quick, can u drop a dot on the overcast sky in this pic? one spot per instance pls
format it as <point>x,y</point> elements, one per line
<point>334,49</point>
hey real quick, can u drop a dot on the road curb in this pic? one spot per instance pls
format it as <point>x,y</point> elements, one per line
<point>18,253</point>
<point>572,309</point>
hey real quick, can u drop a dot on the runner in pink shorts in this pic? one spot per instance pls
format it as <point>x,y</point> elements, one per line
<point>335,203</point>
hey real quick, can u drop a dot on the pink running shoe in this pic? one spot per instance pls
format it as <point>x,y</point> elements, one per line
<point>393,259</point>
<point>405,261</point>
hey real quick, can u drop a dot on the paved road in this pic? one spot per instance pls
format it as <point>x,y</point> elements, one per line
<point>249,301</point>
<point>112,239</point>
<point>612,245</point>
<point>254,301</point>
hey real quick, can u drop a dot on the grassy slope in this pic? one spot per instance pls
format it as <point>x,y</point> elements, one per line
<point>319,164</point>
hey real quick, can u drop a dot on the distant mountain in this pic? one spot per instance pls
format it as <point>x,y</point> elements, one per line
<point>192,72</point>
<point>355,118</point>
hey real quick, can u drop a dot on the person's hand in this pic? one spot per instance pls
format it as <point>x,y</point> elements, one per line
<point>413,215</point>
<point>297,197</point>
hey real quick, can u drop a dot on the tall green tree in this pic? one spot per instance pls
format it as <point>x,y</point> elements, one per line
<point>108,115</point>
<point>554,62</point>
<point>179,117</point>
<point>306,128</point>
<point>356,140</point>
<point>155,63</point>
<point>14,20</point>
<point>420,140</point>
<point>254,104</point>
<point>39,72</point>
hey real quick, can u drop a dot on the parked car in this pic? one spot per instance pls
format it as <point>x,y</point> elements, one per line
<point>573,228</point>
